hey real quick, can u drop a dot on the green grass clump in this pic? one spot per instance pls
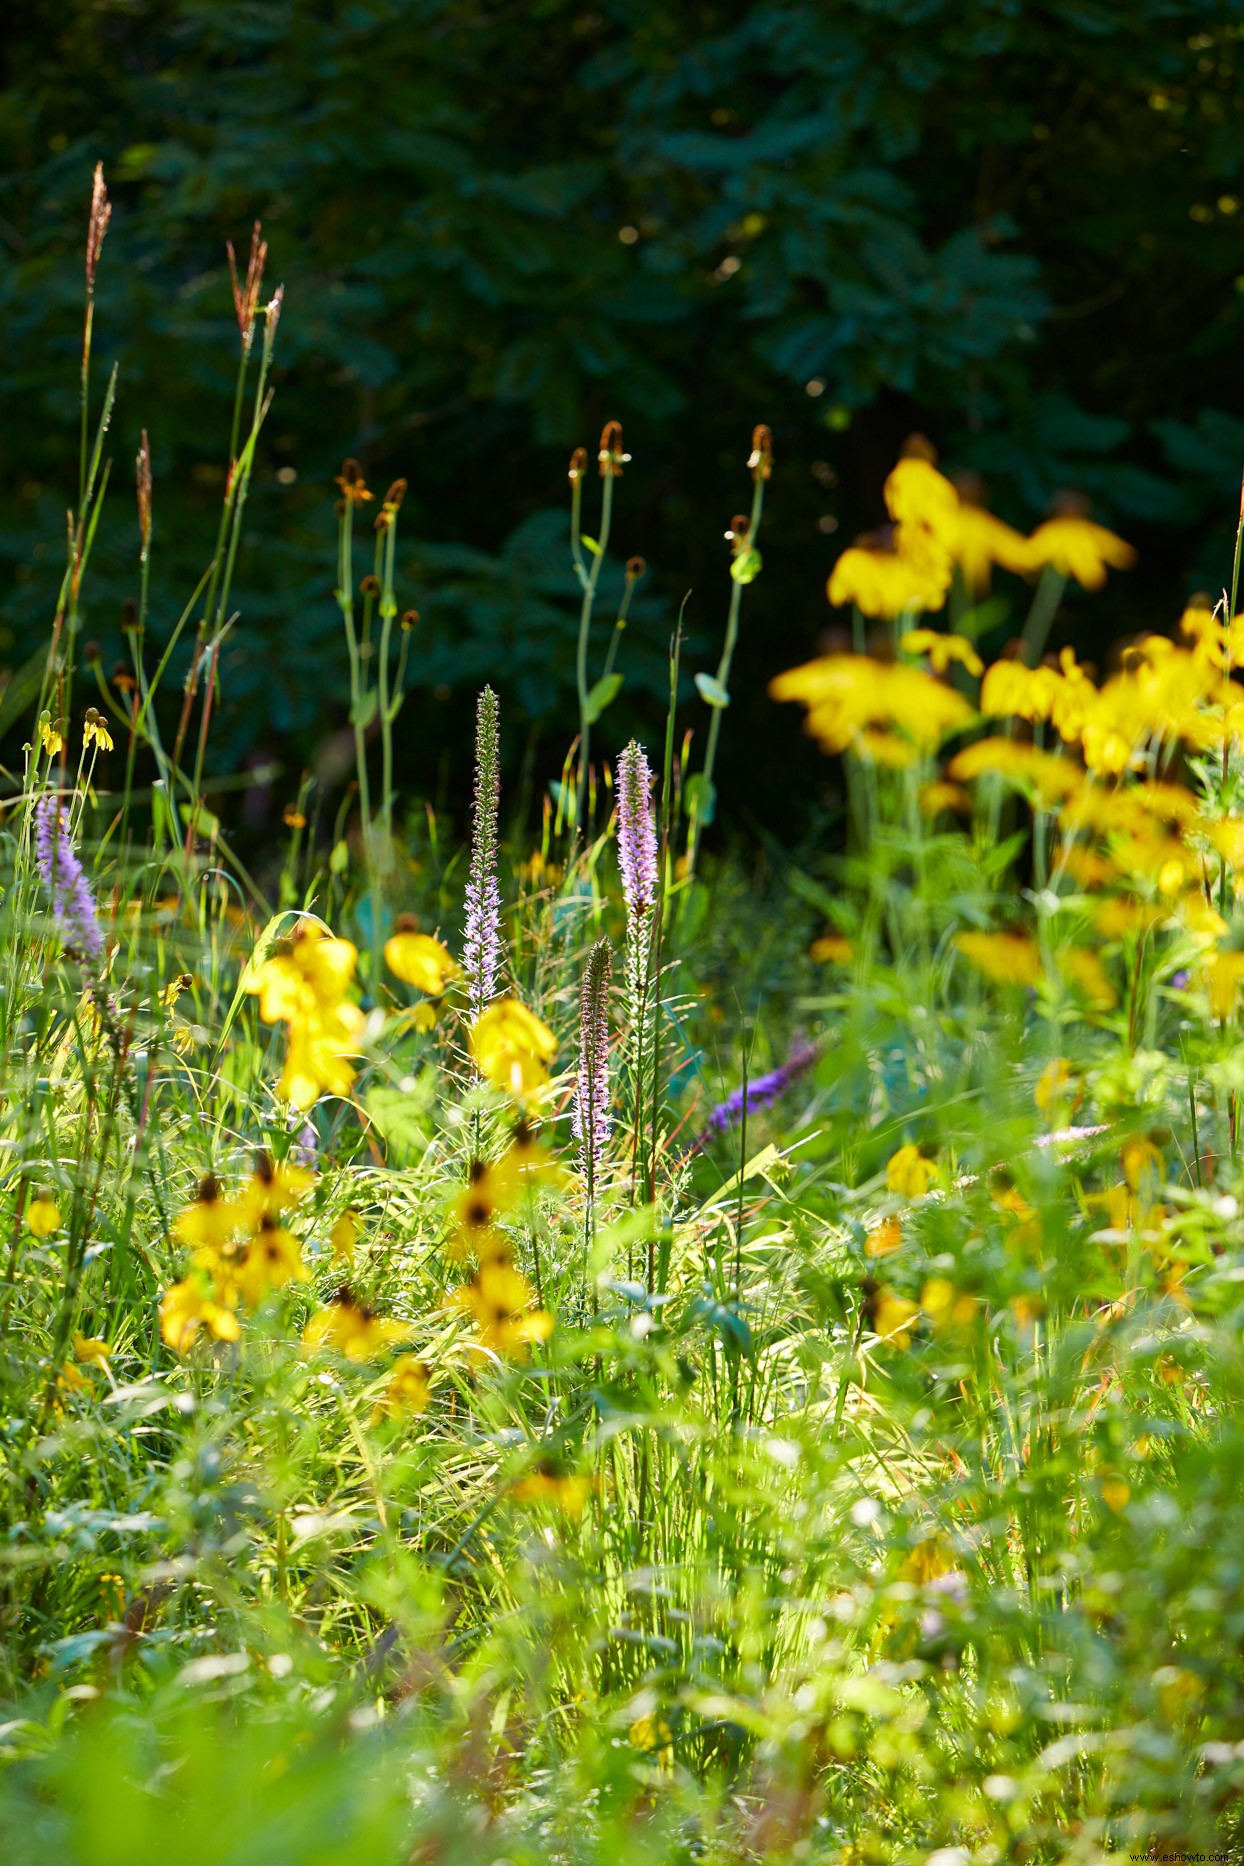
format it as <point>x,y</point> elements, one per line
<point>826,1447</point>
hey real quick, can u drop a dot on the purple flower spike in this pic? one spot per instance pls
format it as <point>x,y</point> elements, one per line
<point>762,1093</point>
<point>592,1122</point>
<point>73,904</point>
<point>481,946</point>
<point>637,836</point>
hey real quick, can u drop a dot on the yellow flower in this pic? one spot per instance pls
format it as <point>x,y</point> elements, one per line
<point>917,494</point>
<point>1054,1084</point>
<point>186,1308</point>
<point>1222,974</point>
<point>511,1047</point>
<point>847,694</point>
<point>51,740</point>
<point>272,1259</point>
<point>883,582</point>
<point>344,1236</point>
<point>892,1317</point>
<point>1012,690</point>
<point>475,1210</point>
<point>353,1329</point>
<point>1049,777</point>
<point>303,984</point>
<point>831,949</point>
<point>409,1387</point>
<point>43,1217</point>
<point>1076,547</point>
<point>95,730</point>
<point>1085,968</point>
<point>547,1484</point>
<point>1006,958</point>
<point>946,1307</point>
<point>210,1221</point>
<point>942,650</point>
<point>909,1173</point>
<point>980,540</point>
<point>939,796</point>
<point>420,961</point>
<point>884,1239</point>
<point>499,1298</point>
<point>272,1189</point>
<point>90,1349</point>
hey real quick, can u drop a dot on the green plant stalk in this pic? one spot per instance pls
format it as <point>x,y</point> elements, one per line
<point>696,826</point>
<point>589,581</point>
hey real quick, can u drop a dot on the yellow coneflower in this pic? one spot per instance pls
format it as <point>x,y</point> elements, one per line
<point>344,1236</point>
<point>419,960</point>
<point>49,737</point>
<point>512,1047</point>
<point>353,1329</point>
<point>408,1388</point>
<point>499,1299</point>
<point>95,730</point>
<point>270,1260</point>
<point>272,1189</point>
<point>210,1220</point>
<point>186,1308</point>
<point>547,1483</point>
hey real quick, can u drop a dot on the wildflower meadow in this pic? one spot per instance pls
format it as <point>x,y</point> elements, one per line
<point>581,1335</point>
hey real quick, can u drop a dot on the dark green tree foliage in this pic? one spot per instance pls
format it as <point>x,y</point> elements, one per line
<point>1016,227</point>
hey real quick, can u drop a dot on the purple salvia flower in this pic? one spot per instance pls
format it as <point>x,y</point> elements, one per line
<point>481,946</point>
<point>73,904</point>
<point>637,836</point>
<point>762,1093</point>
<point>592,1123</point>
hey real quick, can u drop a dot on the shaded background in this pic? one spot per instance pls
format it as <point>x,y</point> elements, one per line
<point>1017,227</point>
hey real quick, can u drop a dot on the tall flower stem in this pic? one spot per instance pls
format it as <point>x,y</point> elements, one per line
<point>639,862</point>
<point>744,539</point>
<point>481,946</point>
<point>611,459</point>
<point>591,1115</point>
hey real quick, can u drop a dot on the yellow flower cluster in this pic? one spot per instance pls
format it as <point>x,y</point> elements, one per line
<point>937,528</point>
<point>239,1253</point>
<point>887,711</point>
<point>498,1298</point>
<point>304,983</point>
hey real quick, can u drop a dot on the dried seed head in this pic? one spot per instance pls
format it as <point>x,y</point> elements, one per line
<point>353,485</point>
<point>101,214</point>
<point>246,291</point>
<point>737,535</point>
<point>578,464</point>
<point>142,480</point>
<point>129,615</point>
<point>273,310</point>
<point>410,619</point>
<point>611,457</point>
<point>635,568</point>
<point>370,586</point>
<point>760,460</point>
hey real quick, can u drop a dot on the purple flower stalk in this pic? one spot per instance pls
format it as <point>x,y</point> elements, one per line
<point>481,946</point>
<point>591,1109</point>
<point>638,862</point>
<point>637,836</point>
<point>762,1093</point>
<point>62,874</point>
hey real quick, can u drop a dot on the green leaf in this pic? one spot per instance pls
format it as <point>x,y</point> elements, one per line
<point>746,567</point>
<point>591,543</point>
<point>701,796</point>
<point>364,710</point>
<point>602,695</point>
<point>711,691</point>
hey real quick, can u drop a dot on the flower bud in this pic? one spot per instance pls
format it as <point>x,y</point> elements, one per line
<point>611,457</point>
<point>578,464</point>
<point>760,461</point>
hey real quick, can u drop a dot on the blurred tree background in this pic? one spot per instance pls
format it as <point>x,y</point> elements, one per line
<point>1014,226</point>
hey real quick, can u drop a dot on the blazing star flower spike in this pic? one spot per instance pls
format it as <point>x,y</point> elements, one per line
<point>592,1122</point>
<point>637,836</point>
<point>62,874</point>
<point>481,947</point>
